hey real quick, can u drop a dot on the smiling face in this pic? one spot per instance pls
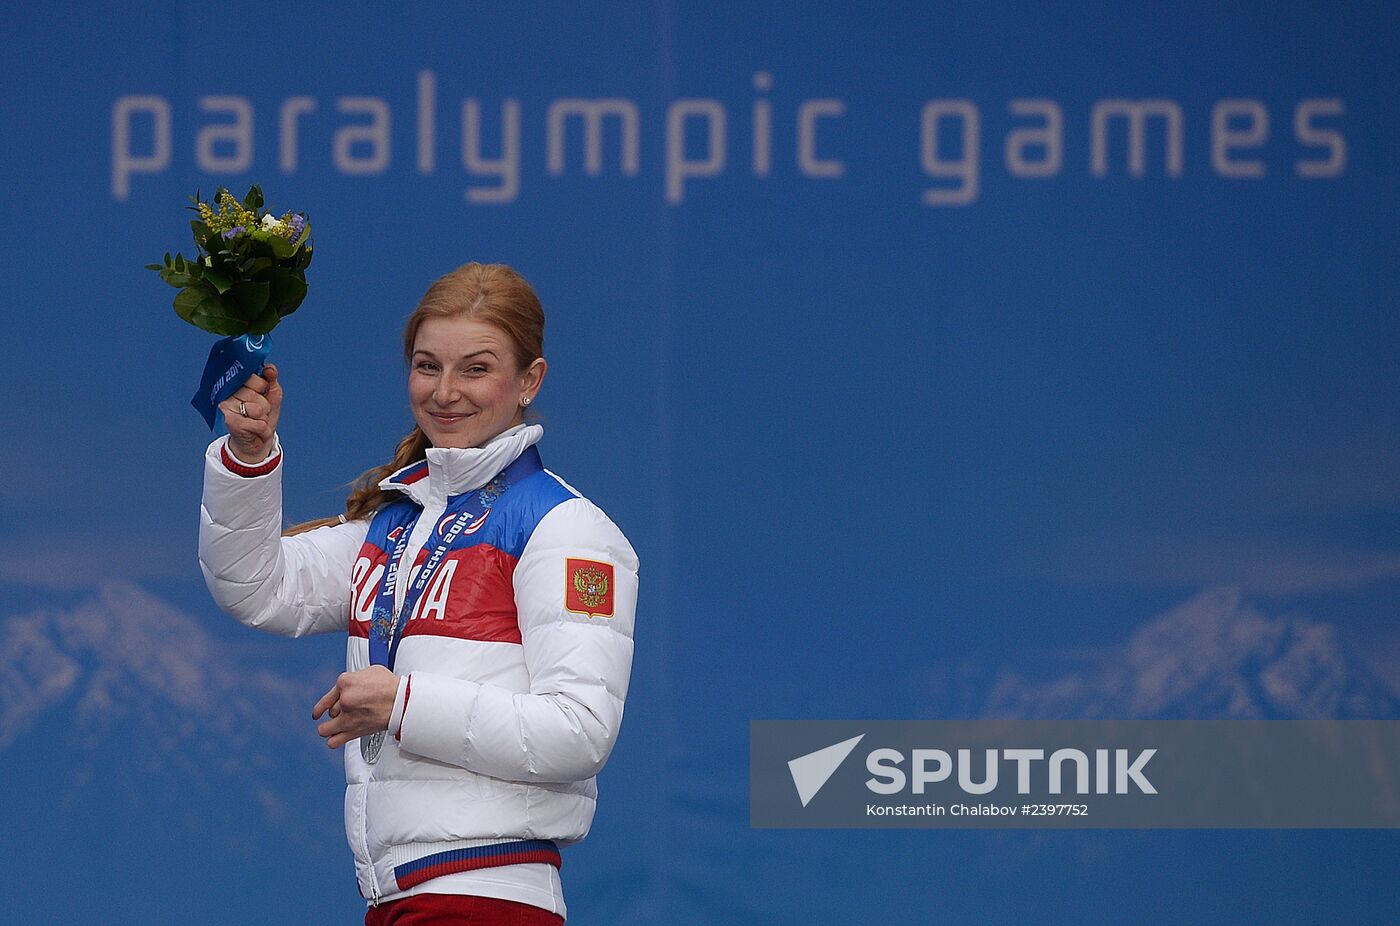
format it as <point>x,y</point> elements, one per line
<point>464,384</point>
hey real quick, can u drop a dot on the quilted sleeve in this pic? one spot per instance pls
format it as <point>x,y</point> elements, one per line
<point>576,597</point>
<point>288,585</point>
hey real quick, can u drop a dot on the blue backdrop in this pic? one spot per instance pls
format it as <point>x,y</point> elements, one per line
<point>938,361</point>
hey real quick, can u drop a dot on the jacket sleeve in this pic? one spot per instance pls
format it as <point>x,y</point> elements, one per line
<point>289,585</point>
<point>579,664</point>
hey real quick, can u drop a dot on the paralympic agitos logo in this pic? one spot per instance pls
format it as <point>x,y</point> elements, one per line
<point>1066,770</point>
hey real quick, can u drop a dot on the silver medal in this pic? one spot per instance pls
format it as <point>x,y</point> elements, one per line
<point>370,746</point>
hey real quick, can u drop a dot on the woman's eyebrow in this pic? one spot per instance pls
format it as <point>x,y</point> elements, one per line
<point>430,355</point>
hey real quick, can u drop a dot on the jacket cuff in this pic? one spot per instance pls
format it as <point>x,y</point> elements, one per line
<point>400,705</point>
<point>239,468</point>
<point>441,717</point>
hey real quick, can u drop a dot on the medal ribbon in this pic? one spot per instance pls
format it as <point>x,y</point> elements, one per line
<point>386,624</point>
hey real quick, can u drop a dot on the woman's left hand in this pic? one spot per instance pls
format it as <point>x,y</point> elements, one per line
<point>360,703</point>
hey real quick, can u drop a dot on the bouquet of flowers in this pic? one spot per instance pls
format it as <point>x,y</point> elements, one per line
<point>251,268</point>
<point>249,273</point>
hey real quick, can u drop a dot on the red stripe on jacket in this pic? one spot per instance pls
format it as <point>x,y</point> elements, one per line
<point>471,597</point>
<point>407,693</point>
<point>239,468</point>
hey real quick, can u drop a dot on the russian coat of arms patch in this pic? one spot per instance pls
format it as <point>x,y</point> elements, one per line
<point>588,587</point>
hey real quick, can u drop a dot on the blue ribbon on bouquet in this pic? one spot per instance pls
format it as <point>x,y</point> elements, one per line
<point>231,361</point>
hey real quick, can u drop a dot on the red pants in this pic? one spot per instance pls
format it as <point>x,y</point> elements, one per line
<point>459,910</point>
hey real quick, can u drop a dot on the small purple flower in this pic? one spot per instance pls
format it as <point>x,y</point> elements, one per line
<point>297,223</point>
<point>235,230</point>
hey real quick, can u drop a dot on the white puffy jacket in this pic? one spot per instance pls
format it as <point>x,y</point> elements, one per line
<point>509,701</point>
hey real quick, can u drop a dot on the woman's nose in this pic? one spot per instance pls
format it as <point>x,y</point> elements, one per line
<point>446,390</point>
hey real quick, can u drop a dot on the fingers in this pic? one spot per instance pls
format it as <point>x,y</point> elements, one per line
<point>259,391</point>
<point>246,426</point>
<point>273,395</point>
<point>262,397</point>
<point>255,405</point>
<point>335,733</point>
<point>260,429</point>
<point>340,727</point>
<point>329,700</point>
<point>254,400</point>
<point>333,726</point>
<point>336,729</point>
<point>360,703</point>
<point>265,384</point>
<point>245,432</point>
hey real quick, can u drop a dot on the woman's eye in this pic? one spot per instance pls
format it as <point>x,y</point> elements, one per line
<point>425,367</point>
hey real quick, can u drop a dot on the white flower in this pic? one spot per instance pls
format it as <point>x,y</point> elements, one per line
<point>269,221</point>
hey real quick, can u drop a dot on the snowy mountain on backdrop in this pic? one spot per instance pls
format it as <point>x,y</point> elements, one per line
<point>1214,656</point>
<point>124,699</point>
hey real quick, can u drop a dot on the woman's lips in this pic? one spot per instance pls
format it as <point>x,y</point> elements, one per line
<point>447,419</point>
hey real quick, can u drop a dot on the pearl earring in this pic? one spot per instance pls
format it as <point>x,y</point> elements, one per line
<point>525,401</point>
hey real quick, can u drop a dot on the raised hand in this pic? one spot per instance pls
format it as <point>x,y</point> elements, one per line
<point>251,415</point>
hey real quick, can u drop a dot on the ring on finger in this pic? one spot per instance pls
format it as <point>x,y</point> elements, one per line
<point>242,409</point>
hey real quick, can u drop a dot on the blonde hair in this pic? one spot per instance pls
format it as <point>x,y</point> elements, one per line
<point>492,293</point>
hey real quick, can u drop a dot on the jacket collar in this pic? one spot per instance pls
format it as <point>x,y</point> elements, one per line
<point>454,470</point>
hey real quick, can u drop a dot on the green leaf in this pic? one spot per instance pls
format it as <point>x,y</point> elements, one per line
<point>184,304</point>
<point>281,247</point>
<point>251,298</point>
<point>254,200</point>
<point>217,323</point>
<point>254,266</point>
<point>187,299</point>
<point>277,285</point>
<point>288,290</point>
<point>296,292</point>
<point>265,322</point>
<point>174,278</point>
<point>191,299</point>
<point>202,307</point>
<point>220,282</point>
<point>155,266</point>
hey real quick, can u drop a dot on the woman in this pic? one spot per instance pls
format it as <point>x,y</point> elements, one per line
<point>489,609</point>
